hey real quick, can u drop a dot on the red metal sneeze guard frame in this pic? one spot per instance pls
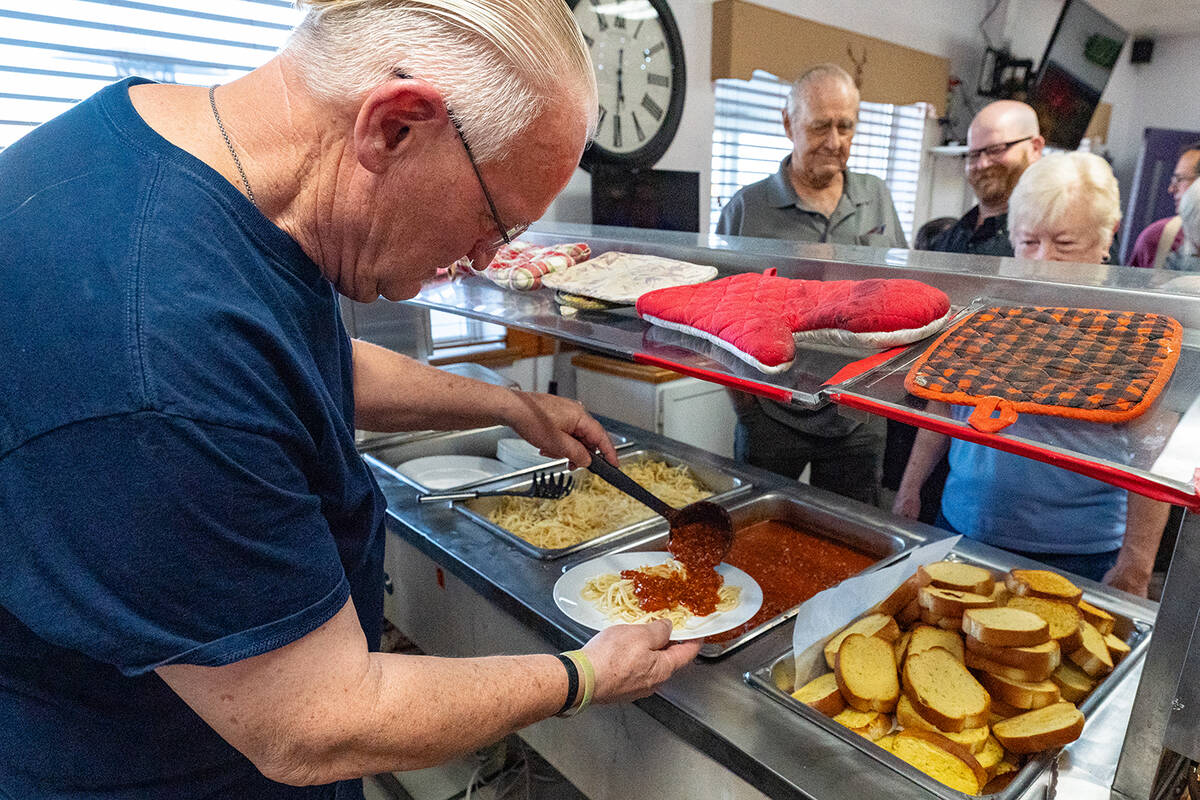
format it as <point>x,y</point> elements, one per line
<point>1110,475</point>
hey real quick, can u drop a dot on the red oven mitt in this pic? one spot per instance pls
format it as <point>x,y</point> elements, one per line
<point>759,318</point>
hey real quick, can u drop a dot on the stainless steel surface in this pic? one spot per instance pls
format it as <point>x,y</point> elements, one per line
<point>722,484</point>
<point>776,505</point>
<point>777,679</point>
<point>708,705</point>
<point>1164,676</point>
<point>387,453</point>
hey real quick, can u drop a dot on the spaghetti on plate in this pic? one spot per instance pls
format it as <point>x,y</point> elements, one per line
<point>664,591</point>
<point>595,508</point>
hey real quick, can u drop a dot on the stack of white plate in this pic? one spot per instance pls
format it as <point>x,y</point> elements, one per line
<point>450,472</point>
<point>519,454</point>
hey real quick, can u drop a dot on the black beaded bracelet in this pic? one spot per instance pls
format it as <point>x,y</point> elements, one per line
<point>572,683</point>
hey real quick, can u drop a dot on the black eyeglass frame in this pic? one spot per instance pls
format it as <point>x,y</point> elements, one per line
<point>506,234</point>
<point>992,151</point>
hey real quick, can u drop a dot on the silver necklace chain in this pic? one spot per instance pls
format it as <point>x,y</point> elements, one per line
<point>237,162</point>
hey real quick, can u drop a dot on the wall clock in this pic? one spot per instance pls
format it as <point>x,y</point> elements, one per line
<point>638,58</point>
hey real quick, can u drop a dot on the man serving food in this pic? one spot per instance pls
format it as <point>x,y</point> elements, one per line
<point>191,578</point>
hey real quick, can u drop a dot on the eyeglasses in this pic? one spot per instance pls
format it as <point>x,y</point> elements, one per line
<point>1179,180</point>
<point>506,234</point>
<point>994,150</point>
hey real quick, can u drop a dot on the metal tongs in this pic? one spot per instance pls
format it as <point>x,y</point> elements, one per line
<point>700,515</point>
<point>544,486</point>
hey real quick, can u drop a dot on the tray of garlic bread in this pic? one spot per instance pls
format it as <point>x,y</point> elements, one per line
<point>971,676</point>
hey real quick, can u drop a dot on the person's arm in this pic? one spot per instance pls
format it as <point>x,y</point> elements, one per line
<point>393,392</point>
<point>893,222</point>
<point>730,221</point>
<point>1145,520</point>
<point>927,451</point>
<point>323,708</point>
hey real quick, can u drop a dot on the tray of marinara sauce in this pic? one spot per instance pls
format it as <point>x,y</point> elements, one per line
<point>792,550</point>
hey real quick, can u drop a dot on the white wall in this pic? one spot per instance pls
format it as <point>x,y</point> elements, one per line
<point>947,28</point>
<point>1161,94</point>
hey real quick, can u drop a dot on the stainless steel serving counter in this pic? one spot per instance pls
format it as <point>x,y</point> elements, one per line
<point>458,589</point>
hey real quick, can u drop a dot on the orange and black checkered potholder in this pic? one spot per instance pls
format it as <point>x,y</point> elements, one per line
<point>1083,363</point>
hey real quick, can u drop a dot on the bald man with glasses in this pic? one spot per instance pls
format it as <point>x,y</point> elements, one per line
<point>1003,140</point>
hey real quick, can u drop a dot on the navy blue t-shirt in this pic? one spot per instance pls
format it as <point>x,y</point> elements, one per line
<point>178,477</point>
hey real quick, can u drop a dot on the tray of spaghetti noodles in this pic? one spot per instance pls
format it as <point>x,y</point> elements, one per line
<point>634,587</point>
<point>596,513</point>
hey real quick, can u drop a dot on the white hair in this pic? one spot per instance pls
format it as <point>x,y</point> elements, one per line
<point>498,63</point>
<point>798,96</point>
<point>1189,211</point>
<point>1054,183</point>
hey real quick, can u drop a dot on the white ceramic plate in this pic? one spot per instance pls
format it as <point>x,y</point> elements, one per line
<point>449,472</point>
<point>568,597</point>
<point>519,453</point>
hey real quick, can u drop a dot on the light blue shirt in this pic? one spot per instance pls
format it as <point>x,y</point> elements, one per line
<point>1016,503</point>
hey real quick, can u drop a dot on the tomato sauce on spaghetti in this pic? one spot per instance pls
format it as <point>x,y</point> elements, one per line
<point>699,549</point>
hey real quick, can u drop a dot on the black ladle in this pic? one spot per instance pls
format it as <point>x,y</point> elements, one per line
<point>701,518</point>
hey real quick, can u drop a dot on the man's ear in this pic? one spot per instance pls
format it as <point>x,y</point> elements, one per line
<point>787,125</point>
<point>1038,143</point>
<point>395,119</point>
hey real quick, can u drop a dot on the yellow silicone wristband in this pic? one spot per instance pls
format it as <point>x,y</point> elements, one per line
<point>588,674</point>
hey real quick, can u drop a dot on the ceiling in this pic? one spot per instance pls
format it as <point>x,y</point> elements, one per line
<point>1153,17</point>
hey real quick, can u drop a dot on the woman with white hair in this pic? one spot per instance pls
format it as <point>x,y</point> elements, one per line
<point>1066,207</point>
<point>1187,257</point>
<point>194,608</point>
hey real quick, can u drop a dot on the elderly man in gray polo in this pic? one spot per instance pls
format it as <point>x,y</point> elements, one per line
<point>814,198</point>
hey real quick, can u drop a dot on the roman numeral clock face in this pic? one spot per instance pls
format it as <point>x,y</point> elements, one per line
<point>638,58</point>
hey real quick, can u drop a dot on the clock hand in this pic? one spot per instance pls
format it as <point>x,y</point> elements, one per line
<point>620,84</point>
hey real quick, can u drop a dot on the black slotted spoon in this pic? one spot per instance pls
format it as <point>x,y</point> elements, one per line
<point>544,486</point>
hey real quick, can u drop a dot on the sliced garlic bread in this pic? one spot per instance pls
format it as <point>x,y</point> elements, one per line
<point>1039,658</point>
<point>1104,621</point>
<point>959,576</point>
<point>872,725</point>
<point>974,739</point>
<point>944,692</point>
<point>1022,694</point>
<point>822,694</point>
<point>1092,655</point>
<point>977,662</point>
<point>880,625</point>
<point>1117,647</point>
<point>1005,627</point>
<point>925,637</point>
<point>941,759</point>
<point>1073,683</point>
<point>1063,618</point>
<point>1043,583</point>
<point>1052,726</point>
<point>951,602</point>
<point>865,668</point>
<point>904,594</point>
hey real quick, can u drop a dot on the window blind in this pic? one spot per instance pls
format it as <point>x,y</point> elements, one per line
<point>54,53</point>
<point>749,143</point>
